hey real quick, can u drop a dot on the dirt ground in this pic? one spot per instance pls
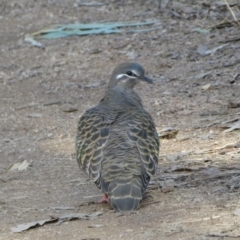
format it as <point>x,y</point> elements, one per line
<point>196,94</point>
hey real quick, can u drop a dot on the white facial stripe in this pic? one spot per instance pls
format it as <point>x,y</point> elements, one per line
<point>121,75</point>
<point>134,72</point>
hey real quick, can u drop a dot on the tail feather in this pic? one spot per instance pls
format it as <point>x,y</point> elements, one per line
<point>125,197</point>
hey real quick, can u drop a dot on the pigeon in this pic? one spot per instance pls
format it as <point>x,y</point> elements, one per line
<point>117,144</point>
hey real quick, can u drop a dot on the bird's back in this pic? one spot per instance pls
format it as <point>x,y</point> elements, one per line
<point>117,146</point>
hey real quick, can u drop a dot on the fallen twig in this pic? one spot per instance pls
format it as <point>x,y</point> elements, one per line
<point>148,203</point>
<point>231,11</point>
<point>201,179</point>
<point>26,106</point>
<point>93,196</point>
<point>222,235</point>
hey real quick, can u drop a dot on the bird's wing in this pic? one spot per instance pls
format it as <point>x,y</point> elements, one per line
<point>133,145</point>
<point>131,150</point>
<point>92,135</point>
<point>141,130</point>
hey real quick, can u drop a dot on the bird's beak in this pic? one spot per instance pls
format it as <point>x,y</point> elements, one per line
<point>147,79</point>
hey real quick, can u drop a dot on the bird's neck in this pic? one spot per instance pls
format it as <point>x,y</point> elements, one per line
<point>122,98</point>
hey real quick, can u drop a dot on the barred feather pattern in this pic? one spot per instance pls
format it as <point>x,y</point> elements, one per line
<point>117,146</point>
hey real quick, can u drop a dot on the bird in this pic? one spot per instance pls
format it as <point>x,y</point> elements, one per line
<point>117,144</point>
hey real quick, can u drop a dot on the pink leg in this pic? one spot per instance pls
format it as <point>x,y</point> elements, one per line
<point>104,199</point>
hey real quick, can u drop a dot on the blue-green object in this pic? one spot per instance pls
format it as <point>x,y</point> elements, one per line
<point>79,29</point>
<point>201,30</point>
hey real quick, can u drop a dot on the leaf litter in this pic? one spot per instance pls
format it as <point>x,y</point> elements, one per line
<point>233,126</point>
<point>19,166</point>
<point>58,220</point>
<point>182,172</point>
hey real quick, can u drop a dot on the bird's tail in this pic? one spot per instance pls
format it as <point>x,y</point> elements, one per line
<point>125,194</point>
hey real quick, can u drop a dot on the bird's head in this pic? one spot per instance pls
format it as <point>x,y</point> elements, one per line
<point>127,75</point>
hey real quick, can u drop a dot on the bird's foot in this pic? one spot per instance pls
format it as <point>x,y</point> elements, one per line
<point>104,199</point>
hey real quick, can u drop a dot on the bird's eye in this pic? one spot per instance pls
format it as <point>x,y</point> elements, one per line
<point>129,73</point>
